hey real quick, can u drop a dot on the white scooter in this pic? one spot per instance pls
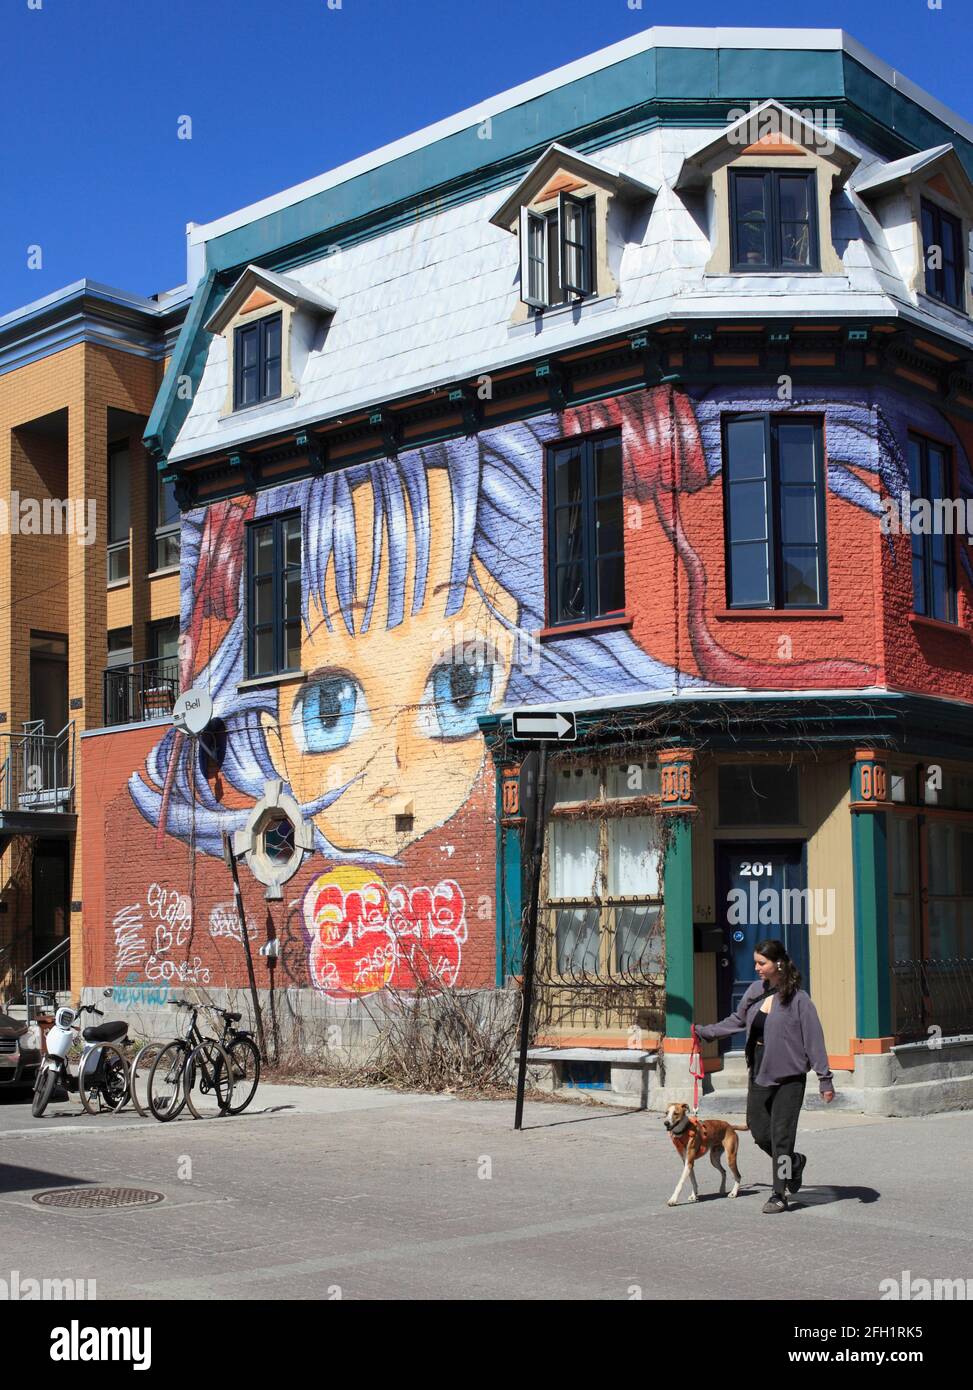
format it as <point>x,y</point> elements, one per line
<point>102,1077</point>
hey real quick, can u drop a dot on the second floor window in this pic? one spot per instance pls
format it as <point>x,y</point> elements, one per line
<point>942,248</point>
<point>773,471</point>
<point>256,362</point>
<point>557,252</point>
<point>274,595</point>
<point>933,574</point>
<point>586,574</point>
<point>119,513</point>
<point>774,220</point>
<point>166,540</point>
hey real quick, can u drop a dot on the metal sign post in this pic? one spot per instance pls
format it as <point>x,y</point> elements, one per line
<point>238,896</point>
<point>530,946</point>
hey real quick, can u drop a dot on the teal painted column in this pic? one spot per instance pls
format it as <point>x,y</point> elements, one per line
<point>510,891</point>
<point>869,847</point>
<point>676,806</point>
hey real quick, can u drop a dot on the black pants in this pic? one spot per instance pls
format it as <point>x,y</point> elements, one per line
<point>772,1114</point>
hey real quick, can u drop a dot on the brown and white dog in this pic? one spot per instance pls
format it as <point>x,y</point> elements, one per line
<point>693,1138</point>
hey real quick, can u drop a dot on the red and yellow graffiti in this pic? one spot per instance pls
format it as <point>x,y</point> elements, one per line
<point>365,935</point>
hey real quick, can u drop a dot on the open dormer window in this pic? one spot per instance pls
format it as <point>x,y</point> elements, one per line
<point>557,252</point>
<point>573,215</point>
<point>774,218</point>
<point>256,359</point>
<point>942,247</point>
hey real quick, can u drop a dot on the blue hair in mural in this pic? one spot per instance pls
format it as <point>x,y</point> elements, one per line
<point>495,487</point>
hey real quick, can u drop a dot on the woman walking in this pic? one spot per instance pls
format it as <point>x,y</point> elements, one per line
<point>785,1040</point>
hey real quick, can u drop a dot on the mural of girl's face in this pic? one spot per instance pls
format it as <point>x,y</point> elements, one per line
<point>393,711</point>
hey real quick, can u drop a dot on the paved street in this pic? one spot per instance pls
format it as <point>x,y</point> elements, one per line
<point>387,1196</point>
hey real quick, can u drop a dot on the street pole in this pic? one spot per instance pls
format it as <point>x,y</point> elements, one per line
<point>530,948</point>
<point>231,861</point>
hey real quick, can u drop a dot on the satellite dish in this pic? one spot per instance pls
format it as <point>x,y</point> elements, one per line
<point>192,712</point>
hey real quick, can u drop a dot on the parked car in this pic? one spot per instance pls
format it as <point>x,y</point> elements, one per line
<point>20,1052</point>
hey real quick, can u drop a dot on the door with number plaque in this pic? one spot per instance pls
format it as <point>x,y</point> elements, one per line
<point>749,913</point>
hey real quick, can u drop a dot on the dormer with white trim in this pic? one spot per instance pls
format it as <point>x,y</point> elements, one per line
<point>572,214</point>
<point>270,324</point>
<point>768,180</point>
<point>924,204</point>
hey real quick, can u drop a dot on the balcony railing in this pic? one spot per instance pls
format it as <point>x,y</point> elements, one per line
<point>142,690</point>
<point>37,769</point>
<point>933,994</point>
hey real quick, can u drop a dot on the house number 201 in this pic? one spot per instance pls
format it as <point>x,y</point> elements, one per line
<point>749,869</point>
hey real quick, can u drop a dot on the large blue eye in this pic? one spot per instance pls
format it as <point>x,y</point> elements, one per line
<point>461,693</point>
<point>328,710</point>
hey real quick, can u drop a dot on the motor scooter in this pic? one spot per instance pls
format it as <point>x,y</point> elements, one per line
<point>102,1078</point>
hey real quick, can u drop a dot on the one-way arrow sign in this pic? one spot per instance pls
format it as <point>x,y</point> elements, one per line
<point>535,726</point>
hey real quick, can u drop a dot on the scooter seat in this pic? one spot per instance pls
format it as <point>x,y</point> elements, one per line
<point>105,1032</point>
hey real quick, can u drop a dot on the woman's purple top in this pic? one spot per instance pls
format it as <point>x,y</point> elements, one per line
<point>793,1040</point>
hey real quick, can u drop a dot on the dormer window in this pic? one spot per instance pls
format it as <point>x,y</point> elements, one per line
<point>256,357</point>
<point>573,215</point>
<point>765,185</point>
<point>774,219</point>
<point>932,191</point>
<point>270,324</point>
<point>942,248</point>
<point>557,252</point>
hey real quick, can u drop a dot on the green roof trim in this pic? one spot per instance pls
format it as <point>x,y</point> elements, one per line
<point>188,360</point>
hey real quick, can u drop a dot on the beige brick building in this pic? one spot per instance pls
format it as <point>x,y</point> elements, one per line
<point>89,590</point>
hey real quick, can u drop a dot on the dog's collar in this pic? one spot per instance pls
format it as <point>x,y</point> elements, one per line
<point>683,1125</point>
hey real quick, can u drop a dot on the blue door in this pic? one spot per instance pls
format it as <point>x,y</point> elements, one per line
<point>760,887</point>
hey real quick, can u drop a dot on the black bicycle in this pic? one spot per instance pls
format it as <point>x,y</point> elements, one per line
<point>191,1070</point>
<point>211,1075</point>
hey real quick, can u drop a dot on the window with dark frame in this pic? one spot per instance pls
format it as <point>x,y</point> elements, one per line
<point>557,252</point>
<point>165,525</point>
<point>774,220</point>
<point>586,570</point>
<point>256,362</point>
<point>933,556</point>
<point>942,245</point>
<point>274,595</point>
<point>119,512</point>
<point>774,512</point>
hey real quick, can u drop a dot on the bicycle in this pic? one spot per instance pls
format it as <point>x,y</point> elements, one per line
<point>244,1056</point>
<point>191,1070</point>
<point>101,1079</point>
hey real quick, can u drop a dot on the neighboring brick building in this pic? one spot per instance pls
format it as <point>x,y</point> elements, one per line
<point>80,588</point>
<point>591,398</point>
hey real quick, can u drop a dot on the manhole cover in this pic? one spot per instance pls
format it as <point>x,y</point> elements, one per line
<point>98,1197</point>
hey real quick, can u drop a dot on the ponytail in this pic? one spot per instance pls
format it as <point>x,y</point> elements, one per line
<point>790,976</point>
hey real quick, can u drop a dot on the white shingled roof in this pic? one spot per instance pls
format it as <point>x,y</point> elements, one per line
<point>431,302</point>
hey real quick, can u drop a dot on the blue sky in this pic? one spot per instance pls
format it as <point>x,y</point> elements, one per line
<point>281,90</point>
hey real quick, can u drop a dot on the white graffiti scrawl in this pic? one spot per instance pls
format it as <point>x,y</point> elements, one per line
<point>147,937</point>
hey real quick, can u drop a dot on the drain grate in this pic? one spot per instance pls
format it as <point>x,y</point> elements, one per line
<point>98,1197</point>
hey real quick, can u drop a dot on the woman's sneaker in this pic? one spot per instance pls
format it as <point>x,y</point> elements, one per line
<point>776,1203</point>
<point>793,1184</point>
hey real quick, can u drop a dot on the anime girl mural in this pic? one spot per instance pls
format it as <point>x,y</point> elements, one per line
<point>422,594</point>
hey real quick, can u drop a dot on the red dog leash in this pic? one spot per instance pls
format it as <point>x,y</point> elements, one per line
<point>696,1069</point>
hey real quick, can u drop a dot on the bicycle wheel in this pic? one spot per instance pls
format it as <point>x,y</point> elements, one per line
<point>106,1086</point>
<point>167,1095</point>
<point>208,1080</point>
<point>139,1076</point>
<point>245,1062</point>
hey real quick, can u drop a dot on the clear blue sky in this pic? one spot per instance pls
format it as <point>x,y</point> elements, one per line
<point>281,90</point>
